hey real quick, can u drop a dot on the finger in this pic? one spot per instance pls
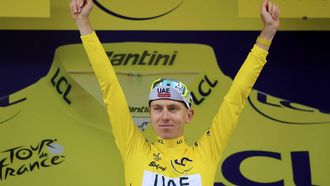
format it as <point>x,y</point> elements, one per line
<point>264,5</point>
<point>272,13</point>
<point>273,9</point>
<point>270,6</point>
<point>73,6</point>
<point>276,13</point>
<point>78,5</point>
<point>81,3</point>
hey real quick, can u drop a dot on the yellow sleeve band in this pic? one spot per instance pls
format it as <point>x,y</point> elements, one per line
<point>264,41</point>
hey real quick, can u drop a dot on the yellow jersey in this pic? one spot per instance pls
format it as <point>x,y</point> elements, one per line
<point>170,162</point>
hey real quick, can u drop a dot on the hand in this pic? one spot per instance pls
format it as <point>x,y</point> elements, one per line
<point>270,15</point>
<point>80,10</point>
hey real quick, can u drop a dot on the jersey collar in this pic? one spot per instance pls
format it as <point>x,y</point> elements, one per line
<point>171,143</point>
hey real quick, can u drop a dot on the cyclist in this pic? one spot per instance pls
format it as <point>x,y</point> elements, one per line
<point>170,161</point>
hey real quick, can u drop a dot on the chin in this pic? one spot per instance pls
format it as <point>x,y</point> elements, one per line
<point>165,135</point>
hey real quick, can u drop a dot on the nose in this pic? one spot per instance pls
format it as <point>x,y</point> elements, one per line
<point>165,116</point>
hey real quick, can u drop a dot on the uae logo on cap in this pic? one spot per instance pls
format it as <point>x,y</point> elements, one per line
<point>164,92</point>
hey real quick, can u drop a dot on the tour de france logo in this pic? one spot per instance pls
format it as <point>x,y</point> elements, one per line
<point>25,159</point>
<point>105,6</point>
<point>182,165</point>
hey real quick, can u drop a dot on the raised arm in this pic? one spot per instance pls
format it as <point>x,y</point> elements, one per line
<point>216,139</point>
<point>126,133</point>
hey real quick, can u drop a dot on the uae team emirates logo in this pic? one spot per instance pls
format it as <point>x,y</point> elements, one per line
<point>163,92</point>
<point>25,159</point>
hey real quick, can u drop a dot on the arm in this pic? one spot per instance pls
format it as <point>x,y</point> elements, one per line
<point>126,133</point>
<point>225,121</point>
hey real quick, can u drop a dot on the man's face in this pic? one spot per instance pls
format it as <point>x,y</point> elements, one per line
<point>168,118</point>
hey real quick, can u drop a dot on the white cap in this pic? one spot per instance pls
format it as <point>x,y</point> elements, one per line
<point>167,92</point>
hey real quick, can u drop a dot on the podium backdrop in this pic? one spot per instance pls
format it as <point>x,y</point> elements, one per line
<point>53,126</point>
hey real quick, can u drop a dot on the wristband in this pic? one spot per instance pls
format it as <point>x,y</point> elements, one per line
<point>264,41</point>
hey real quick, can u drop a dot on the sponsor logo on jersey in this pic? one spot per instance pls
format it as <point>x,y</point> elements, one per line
<point>158,166</point>
<point>182,165</point>
<point>26,159</point>
<point>154,179</point>
<point>157,157</point>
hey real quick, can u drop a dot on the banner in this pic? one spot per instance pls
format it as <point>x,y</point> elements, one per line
<point>49,130</point>
<point>171,14</point>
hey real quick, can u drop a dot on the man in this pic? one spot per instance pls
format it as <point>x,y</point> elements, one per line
<point>170,161</point>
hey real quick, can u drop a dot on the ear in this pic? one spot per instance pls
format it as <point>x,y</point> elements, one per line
<point>190,115</point>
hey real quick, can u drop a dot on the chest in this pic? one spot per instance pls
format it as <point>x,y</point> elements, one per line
<point>184,167</point>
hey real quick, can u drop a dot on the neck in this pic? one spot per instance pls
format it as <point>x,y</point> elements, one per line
<point>172,143</point>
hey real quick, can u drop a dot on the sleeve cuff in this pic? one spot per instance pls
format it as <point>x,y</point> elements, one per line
<point>88,36</point>
<point>259,51</point>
